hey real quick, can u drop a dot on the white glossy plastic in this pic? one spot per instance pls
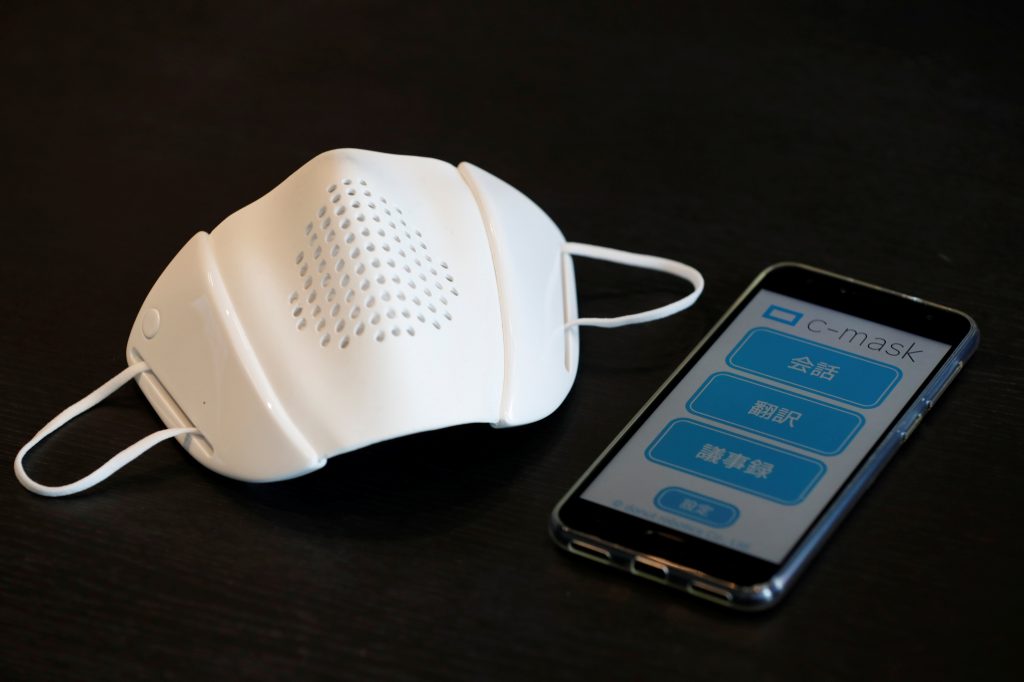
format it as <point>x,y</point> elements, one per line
<point>367,297</point>
<point>537,295</point>
<point>273,400</point>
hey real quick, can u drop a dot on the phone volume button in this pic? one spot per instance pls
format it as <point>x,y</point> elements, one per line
<point>910,429</point>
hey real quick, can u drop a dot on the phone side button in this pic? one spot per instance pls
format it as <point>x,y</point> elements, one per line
<point>910,429</point>
<point>590,551</point>
<point>647,568</point>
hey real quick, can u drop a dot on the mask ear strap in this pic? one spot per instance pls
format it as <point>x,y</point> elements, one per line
<point>637,260</point>
<point>114,463</point>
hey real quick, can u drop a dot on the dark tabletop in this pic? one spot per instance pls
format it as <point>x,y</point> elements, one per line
<point>877,141</point>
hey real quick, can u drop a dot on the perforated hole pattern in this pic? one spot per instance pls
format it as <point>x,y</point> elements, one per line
<point>366,273</point>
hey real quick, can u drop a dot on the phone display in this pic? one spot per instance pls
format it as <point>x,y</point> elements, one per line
<point>755,440</point>
<point>743,452</point>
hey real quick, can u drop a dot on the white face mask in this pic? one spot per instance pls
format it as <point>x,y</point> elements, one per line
<point>368,296</point>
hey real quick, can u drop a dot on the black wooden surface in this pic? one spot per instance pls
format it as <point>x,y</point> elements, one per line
<point>878,141</point>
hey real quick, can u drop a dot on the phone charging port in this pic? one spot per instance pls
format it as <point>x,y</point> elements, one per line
<point>650,569</point>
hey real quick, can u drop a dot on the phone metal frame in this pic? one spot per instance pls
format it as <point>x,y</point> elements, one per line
<point>762,594</point>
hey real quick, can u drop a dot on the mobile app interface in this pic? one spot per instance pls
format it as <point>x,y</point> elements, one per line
<point>752,444</point>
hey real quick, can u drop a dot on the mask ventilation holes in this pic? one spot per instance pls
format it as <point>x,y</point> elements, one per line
<point>384,259</point>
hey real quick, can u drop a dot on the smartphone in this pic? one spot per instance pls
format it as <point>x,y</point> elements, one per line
<point>733,475</point>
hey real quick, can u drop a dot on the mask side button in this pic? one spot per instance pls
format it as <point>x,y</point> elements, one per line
<point>150,323</point>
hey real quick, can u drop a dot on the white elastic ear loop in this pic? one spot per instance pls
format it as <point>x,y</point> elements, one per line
<point>646,262</point>
<point>114,463</point>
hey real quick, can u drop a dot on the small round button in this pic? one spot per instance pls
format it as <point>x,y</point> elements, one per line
<point>151,323</point>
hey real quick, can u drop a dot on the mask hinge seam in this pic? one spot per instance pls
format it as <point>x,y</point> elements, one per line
<point>499,275</point>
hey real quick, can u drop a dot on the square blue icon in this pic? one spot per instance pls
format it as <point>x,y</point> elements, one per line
<point>783,315</point>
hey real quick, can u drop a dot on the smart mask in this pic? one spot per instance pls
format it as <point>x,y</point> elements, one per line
<point>367,297</point>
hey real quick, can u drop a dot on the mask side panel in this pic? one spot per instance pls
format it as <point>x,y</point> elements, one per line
<point>199,377</point>
<point>537,289</point>
<point>365,287</point>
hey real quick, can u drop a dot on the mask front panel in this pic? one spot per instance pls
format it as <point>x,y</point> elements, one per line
<point>362,299</point>
<point>380,315</point>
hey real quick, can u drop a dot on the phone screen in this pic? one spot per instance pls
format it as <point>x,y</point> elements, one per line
<point>750,446</point>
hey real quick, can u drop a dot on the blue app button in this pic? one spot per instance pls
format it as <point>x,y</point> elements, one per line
<point>781,415</point>
<point>697,507</point>
<point>814,367</point>
<point>735,461</point>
